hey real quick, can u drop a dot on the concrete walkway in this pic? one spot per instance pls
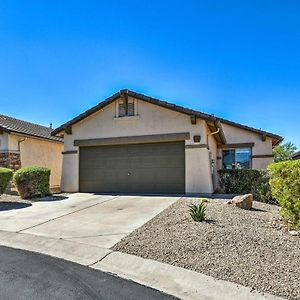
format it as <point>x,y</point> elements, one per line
<point>83,228</point>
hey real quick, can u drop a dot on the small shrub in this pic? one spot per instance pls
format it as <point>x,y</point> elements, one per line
<point>285,184</point>
<point>261,189</point>
<point>247,181</point>
<point>5,177</point>
<point>32,182</point>
<point>197,211</point>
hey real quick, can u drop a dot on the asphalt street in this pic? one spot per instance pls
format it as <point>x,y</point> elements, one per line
<point>28,275</point>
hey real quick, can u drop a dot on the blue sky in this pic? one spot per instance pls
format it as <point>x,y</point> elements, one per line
<point>236,59</point>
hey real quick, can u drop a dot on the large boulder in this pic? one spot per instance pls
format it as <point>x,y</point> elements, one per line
<point>243,201</point>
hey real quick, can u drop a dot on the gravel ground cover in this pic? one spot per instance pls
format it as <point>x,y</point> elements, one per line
<point>233,244</point>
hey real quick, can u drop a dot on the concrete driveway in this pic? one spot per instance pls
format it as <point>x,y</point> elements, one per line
<point>98,220</point>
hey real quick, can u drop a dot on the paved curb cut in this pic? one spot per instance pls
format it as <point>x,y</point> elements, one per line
<point>180,282</point>
<point>72,251</point>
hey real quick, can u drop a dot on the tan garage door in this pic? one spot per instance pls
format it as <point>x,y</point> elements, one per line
<point>137,168</point>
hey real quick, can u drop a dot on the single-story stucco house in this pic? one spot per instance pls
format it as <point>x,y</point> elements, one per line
<point>25,144</point>
<point>132,143</point>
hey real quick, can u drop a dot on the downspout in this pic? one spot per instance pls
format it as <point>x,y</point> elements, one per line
<point>212,161</point>
<point>19,149</point>
<point>213,133</point>
<point>19,143</point>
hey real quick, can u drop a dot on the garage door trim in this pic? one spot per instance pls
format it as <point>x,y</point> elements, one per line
<point>140,139</point>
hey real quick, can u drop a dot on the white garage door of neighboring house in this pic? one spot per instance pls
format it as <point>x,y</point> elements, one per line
<point>134,168</point>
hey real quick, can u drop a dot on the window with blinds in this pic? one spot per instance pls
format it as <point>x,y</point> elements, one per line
<point>122,108</point>
<point>130,108</point>
<point>126,107</point>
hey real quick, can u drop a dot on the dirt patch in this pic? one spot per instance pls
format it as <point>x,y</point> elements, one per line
<point>234,245</point>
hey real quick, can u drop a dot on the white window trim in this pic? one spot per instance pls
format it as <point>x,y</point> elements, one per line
<point>127,118</point>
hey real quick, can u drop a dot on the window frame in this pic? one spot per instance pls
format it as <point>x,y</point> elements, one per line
<point>235,157</point>
<point>126,115</point>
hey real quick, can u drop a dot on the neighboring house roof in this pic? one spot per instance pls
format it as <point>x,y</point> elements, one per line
<point>296,155</point>
<point>188,111</point>
<point>13,125</point>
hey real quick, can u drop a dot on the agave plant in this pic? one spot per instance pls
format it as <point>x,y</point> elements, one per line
<point>197,211</point>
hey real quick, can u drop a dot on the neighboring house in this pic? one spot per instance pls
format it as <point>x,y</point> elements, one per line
<point>296,155</point>
<point>133,143</point>
<point>24,144</point>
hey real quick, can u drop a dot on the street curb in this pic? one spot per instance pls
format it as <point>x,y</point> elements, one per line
<point>172,280</point>
<point>176,281</point>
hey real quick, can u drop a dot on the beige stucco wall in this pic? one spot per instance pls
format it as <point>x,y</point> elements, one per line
<point>238,135</point>
<point>197,167</point>
<point>151,119</point>
<point>39,152</point>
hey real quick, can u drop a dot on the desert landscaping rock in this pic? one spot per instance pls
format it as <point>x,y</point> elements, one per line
<point>294,233</point>
<point>233,244</point>
<point>243,201</point>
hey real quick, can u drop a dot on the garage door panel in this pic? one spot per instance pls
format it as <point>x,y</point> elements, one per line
<point>141,168</point>
<point>150,161</point>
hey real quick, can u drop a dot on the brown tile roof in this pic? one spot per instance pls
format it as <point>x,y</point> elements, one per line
<point>13,125</point>
<point>164,104</point>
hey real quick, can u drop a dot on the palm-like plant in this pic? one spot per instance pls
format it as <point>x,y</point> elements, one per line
<point>197,211</point>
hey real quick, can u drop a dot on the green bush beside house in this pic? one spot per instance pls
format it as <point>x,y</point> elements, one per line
<point>32,182</point>
<point>285,184</point>
<point>5,176</point>
<point>244,181</point>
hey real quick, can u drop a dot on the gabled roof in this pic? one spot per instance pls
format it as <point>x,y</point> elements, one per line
<point>13,125</point>
<point>207,117</point>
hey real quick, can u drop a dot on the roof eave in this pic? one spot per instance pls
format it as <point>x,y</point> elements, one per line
<point>277,141</point>
<point>86,113</point>
<point>33,136</point>
<point>4,129</point>
<point>221,132</point>
<point>295,155</point>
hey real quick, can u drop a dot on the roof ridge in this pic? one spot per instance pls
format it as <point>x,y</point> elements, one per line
<point>31,123</point>
<point>168,103</point>
<point>19,126</point>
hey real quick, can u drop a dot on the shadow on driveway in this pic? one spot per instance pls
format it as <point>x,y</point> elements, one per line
<point>4,206</point>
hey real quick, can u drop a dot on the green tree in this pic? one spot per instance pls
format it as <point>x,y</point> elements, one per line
<point>283,152</point>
